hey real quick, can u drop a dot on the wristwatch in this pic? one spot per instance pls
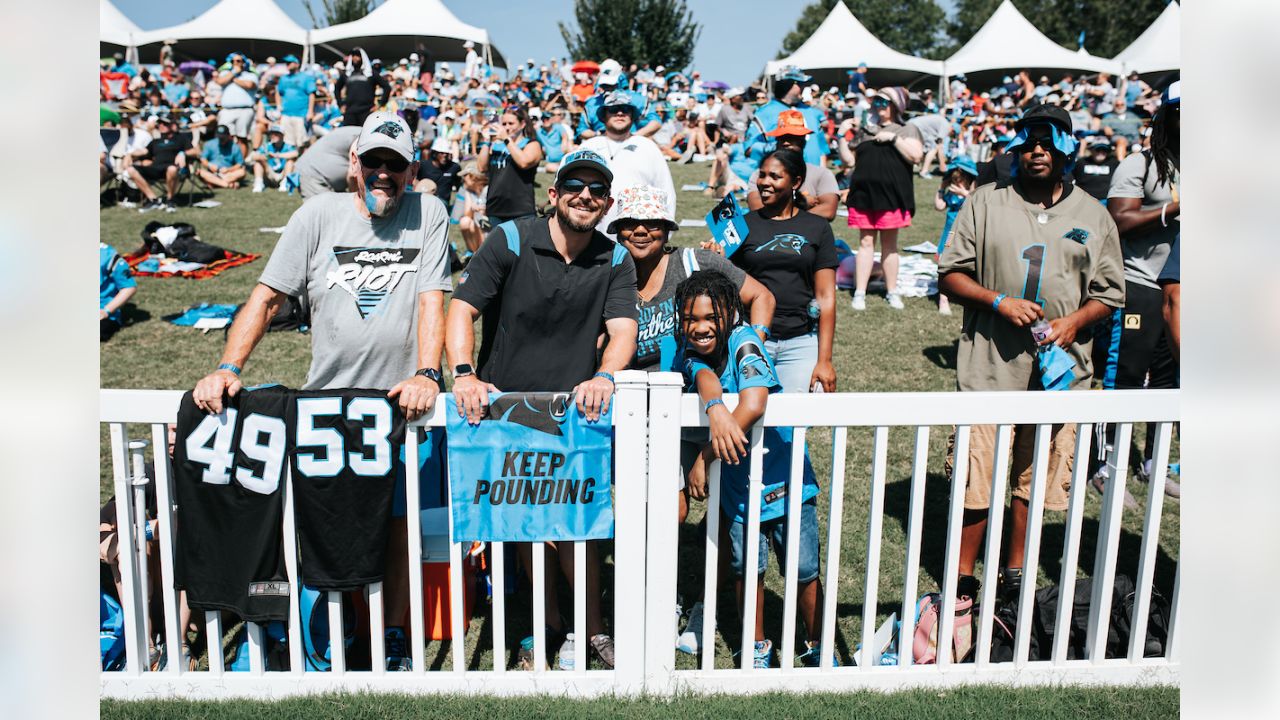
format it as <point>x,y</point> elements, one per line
<point>463,370</point>
<point>431,374</point>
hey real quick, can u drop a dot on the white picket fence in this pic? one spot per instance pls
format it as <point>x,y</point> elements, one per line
<point>648,417</point>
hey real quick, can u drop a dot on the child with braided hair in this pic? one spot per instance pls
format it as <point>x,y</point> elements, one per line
<point>718,353</point>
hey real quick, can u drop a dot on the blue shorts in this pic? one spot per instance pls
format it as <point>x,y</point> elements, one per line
<point>775,532</point>
<point>433,486</point>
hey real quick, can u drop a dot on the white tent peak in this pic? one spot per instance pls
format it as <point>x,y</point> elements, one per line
<point>1008,41</point>
<point>408,19</point>
<point>114,26</point>
<point>841,42</point>
<point>248,19</point>
<point>1159,46</point>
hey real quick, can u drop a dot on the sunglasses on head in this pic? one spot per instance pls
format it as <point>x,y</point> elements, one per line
<point>393,164</point>
<point>573,186</point>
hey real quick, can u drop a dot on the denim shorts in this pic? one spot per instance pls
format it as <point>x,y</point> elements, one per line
<point>794,360</point>
<point>774,532</point>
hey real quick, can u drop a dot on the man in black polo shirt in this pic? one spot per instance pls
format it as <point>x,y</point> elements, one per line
<point>441,171</point>
<point>545,286</point>
<point>165,159</point>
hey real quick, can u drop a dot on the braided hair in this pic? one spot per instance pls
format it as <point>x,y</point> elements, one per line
<point>723,294</point>
<point>1164,145</point>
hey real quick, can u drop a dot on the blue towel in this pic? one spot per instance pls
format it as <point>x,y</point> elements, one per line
<point>204,310</point>
<point>1056,368</point>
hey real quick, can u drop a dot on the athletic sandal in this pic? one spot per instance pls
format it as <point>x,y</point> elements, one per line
<point>603,646</point>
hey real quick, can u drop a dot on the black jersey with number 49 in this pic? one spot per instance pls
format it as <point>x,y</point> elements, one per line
<point>345,447</point>
<point>227,471</point>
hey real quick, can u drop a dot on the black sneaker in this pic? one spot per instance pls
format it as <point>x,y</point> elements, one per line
<point>150,205</point>
<point>1010,586</point>
<point>170,205</point>
<point>968,586</point>
<point>397,647</point>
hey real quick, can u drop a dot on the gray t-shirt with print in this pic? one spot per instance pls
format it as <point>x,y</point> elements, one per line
<point>657,315</point>
<point>362,278</point>
<point>1145,249</point>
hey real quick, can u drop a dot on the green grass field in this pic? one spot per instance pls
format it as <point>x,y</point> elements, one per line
<point>879,350</point>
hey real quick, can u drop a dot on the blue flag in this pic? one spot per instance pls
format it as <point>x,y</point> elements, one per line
<point>727,225</point>
<point>534,469</point>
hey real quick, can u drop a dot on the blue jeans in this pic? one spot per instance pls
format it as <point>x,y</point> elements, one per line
<point>774,532</point>
<point>794,359</point>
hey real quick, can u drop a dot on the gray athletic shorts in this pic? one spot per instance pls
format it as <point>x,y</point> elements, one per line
<point>240,120</point>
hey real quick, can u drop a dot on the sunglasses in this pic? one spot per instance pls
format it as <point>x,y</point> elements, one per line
<point>573,186</point>
<point>616,109</point>
<point>879,103</point>
<point>394,164</point>
<point>1043,140</point>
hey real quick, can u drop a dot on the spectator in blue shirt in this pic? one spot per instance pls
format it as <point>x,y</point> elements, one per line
<point>221,162</point>
<point>610,79</point>
<point>295,100</point>
<point>858,80</point>
<point>788,85</point>
<point>554,134</point>
<point>115,287</point>
<point>273,162</point>
<point>177,90</point>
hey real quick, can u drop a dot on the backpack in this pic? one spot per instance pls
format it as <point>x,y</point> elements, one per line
<point>314,605</point>
<point>184,245</point>
<point>924,646</point>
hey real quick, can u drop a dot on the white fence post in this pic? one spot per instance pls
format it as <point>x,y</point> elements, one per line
<point>631,433</point>
<point>662,556</point>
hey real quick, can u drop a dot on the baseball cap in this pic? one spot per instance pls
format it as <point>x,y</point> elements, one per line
<point>413,57</point>
<point>441,145</point>
<point>1172,95</point>
<point>470,169</point>
<point>291,59</point>
<point>584,158</point>
<point>535,113</point>
<point>403,61</point>
<point>965,164</point>
<point>1045,113</point>
<point>610,73</point>
<point>792,73</point>
<point>468,44</point>
<point>275,129</point>
<point>642,202</point>
<point>790,122</point>
<point>224,131</point>
<point>386,130</point>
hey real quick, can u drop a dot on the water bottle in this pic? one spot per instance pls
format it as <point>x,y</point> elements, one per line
<point>1039,331</point>
<point>817,387</point>
<point>814,309</point>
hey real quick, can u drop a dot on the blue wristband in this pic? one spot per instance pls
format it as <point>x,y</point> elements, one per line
<point>606,376</point>
<point>995,304</point>
<point>710,404</point>
<point>763,330</point>
<point>235,369</point>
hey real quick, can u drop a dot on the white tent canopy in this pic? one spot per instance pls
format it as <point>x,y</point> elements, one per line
<point>255,27</point>
<point>398,27</point>
<point>114,27</point>
<point>841,42</point>
<point>1159,47</point>
<point>1008,41</point>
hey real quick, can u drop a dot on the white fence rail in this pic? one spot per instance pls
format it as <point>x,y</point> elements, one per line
<point>650,413</point>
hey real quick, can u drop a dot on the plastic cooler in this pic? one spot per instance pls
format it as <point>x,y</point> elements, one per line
<point>437,600</point>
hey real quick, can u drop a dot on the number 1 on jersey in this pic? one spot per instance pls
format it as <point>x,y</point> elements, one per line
<point>1034,256</point>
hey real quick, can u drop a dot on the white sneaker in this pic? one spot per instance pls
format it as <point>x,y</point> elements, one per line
<point>283,187</point>
<point>944,309</point>
<point>894,301</point>
<point>859,301</point>
<point>258,187</point>
<point>690,641</point>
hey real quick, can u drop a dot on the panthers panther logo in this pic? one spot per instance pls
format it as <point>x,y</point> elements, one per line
<point>390,129</point>
<point>1080,235</point>
<point>785,243</point>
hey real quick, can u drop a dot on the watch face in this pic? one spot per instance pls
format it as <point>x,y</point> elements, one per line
<point>463,369</point>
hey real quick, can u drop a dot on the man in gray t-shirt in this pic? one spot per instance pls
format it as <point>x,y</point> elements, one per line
<point>374,267</point>
<point>323,167</point>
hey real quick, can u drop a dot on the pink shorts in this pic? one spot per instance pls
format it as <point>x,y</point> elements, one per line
<point>879,219</point>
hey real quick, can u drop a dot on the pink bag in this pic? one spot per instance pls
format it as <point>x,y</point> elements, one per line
<point>924,650</point>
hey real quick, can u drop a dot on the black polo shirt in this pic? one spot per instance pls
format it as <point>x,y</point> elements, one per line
<point>446,179</point>
<point>542,316</point>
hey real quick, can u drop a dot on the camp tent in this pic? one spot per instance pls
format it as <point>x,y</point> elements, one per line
<point>841,43</point>
<point>399,27</point>
<point>1008,42</point>
<point>116,32</point>
<point>1158,49</point>
<point>258,28</point>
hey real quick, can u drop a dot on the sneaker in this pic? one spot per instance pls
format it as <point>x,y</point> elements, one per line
<point>603,646</point>
<point>894,301</point>
<point>567,654</point>
<point>258,187</point>
<point>812,656</point>
<point>283,187</point>
<point>150,205</point>
<point>127,203</point>
<point>170,206</point>
<point>1009,586</point>
<point>859,301</point>
<point>1171,486</point>
<point>1099,483</point>
<point>690,641</point>
<point>968,586</point>
<point>397,647</point>
<point>944,309</point>
<point>763,655</point>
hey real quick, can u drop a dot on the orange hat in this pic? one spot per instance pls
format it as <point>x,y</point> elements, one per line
<point>790,122</point>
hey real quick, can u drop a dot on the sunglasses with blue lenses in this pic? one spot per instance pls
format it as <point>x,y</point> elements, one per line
<point>573,186</point>
<point>395,164</point>
<point>879,103</point>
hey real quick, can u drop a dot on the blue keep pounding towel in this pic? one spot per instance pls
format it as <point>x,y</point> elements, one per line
<point>1056,368</point>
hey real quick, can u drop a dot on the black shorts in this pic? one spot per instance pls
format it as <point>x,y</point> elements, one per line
<point>1131,347</point>
<point>153,172</point>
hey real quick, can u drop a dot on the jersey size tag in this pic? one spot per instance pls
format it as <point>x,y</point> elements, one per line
<point>1132,322</point>
<point>275,588</point>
